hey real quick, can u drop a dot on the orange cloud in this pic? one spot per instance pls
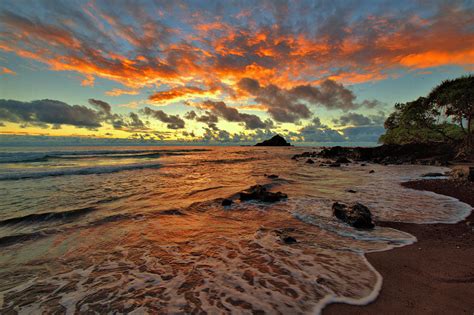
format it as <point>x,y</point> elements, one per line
<point>118,92</point>
<point>8,71</point>
<point>140,51</point>
<point>181,94</point>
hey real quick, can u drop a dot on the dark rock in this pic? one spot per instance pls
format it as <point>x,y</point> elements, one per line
<point>432,175</point>
<point>357,215</point>
<point>343,160</point>
<point>371,171</point>
<point>272,176</point>
<point>470,177</point>
<point>295,157</point>
<point>258,192</point>
<point>226,202</point>
<point>171,212</point>
<point>335,152</point>
<point>275,141</point>
<point>363,164</point>
<point>352,191</point>
<point>309,161</point>
<point>289,240</point>
<point>334,165</point>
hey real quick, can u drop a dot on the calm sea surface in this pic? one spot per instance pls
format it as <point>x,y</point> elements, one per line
<point>101,229</point>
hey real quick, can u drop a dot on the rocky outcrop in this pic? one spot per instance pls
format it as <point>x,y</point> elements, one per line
<point>422,153</point>
<point>356,215</point>
<point>275,141</point>
<point>258,192</point>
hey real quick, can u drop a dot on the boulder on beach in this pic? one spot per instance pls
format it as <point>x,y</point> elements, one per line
<point>357,215</point>
<point>309,161</point>
<point>226,202</point>
<point>258,192</point>
<point>275,141</point>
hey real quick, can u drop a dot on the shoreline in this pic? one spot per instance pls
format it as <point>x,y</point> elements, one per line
<point>433,275</point>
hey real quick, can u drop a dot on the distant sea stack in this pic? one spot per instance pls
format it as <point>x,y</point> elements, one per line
<point>275,141</point>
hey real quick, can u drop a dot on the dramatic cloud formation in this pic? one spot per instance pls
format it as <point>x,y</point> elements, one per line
<point>44,112</point>
<point>291,105</point>
<point>355,119</point>
<point>318,132</point>
<point>214,46</point>
<point>286,61</point>
<point>208,118</point>
<point>172,121</point>
<point>233,115</point>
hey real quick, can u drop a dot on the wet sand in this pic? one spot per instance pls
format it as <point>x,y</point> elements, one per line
<point>433,276</point>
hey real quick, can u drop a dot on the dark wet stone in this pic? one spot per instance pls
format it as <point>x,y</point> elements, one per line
<point>171,212</point>
<point>309,161</point>
<point>432,175</point>
<point>275,141</point>
<point>371,171</point>
<point>289,240</point>
<point>351,191</point>
<point>334,165</point>
<point>258,192</point>
<point>363,164</point>
<point>226,202</point>
<point>272,176</point>
<point>357,215</point>
<point>343,160</point>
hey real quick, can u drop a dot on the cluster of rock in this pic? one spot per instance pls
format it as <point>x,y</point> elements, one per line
<point>426,153</point>
<point>260,193</point>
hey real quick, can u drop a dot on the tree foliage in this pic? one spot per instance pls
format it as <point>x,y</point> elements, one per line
<point>441,116</point>
<point>456,99</point>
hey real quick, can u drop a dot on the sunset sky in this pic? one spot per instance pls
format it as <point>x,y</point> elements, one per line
<point>224,71</point>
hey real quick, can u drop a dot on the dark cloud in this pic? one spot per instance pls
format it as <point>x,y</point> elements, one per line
<point>101,105</point>
<point>43,112</point>
<point>363,133</point>
<point>172,121</point>
<point>291,105</point>
<point>356,119</point>
<point>231,114</point>
<point>318,132</point>
<point>135,122</point>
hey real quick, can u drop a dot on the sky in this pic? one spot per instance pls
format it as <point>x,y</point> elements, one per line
<point>223,71</point>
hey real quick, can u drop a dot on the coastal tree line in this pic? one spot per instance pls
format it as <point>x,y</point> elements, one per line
<point>444,115</point>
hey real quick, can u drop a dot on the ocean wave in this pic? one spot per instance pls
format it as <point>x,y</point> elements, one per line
<point>29,157</point>
<point>48,216</point>
<point>77,171</point>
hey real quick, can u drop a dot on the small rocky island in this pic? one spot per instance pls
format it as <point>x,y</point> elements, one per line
<point>275,141</point>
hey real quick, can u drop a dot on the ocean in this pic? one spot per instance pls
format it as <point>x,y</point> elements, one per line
<point>142,229</point>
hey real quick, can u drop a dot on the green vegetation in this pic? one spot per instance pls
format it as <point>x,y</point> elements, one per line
<point>446,114</point>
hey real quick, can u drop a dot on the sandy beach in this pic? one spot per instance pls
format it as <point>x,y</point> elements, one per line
<point>433,276</point>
